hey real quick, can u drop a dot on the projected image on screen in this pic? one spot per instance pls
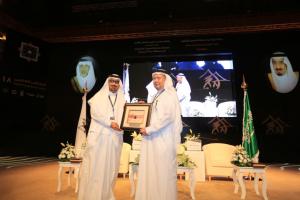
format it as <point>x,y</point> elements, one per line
<point>204,88</point>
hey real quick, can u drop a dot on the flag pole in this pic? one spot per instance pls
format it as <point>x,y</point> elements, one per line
<point>249,141</point>
<point>244,84</point>
<point>80,138</point>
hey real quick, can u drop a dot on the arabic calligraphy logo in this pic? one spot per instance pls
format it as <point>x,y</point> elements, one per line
<point>212,80</point>
<point>274,125</point>
<point>49,123</point>
<point>219,125</point>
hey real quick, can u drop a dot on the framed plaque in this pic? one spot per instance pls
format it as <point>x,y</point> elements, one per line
<point>136,116</point>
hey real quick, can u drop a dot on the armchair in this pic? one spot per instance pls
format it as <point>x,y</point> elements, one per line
<point>124,159</point>
<point>218,158</point>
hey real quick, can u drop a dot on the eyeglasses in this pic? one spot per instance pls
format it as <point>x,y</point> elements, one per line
<point>114,81</point>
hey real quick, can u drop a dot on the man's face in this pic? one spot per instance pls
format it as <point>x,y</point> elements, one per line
<point>158,81</point>
<point>84,70</point>
<point>279,66</point>
<point>113,84</point>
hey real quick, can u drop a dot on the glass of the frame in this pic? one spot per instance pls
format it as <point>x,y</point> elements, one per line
<point>136,116</point>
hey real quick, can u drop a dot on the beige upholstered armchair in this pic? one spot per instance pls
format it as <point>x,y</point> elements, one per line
<point>218,158</point>
<point>124,160</point>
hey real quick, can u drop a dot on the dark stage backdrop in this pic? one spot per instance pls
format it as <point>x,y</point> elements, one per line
<point>38,125</point>
<point>24,83</point>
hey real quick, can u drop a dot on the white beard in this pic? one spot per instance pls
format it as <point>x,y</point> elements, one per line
<point>284,83</point>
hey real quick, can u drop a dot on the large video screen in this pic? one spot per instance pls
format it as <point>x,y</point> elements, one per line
<point>205,88</point>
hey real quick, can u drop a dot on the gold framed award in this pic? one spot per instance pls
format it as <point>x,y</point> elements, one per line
<point>136,116</point>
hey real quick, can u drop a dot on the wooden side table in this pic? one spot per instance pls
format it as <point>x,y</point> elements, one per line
<point>192,179</point>
<point>71,167</point>
<point>237,175</point>
<point>133,170</point>
<point>198,158</point>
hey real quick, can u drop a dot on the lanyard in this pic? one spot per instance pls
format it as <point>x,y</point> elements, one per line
<point>157,95</point>
<point>113,105</point>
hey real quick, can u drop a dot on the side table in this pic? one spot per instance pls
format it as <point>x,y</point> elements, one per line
<point>71,167</point>
<point>133,170</point>
<point>237,175</point>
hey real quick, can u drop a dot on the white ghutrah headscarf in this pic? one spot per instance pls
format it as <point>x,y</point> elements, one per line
<point>151,91</point>
<point>286,82</point>
<point>103,93</point>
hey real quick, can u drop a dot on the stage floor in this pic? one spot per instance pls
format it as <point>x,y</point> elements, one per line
<point>38,181</point>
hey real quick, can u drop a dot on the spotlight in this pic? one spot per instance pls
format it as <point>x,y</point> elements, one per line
<point>2,36</point>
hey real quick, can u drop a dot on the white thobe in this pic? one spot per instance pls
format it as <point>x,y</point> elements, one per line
<point>102,156</point>
<point>184,97</point>
<point>157,179</point>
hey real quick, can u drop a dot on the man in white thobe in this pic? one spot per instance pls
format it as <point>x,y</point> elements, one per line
<point>101,159</point>
<point>157,179</point>
<point>85,78</point>
<point>183,90</point>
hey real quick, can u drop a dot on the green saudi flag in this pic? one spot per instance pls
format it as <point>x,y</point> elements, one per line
<point>249,139</point>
